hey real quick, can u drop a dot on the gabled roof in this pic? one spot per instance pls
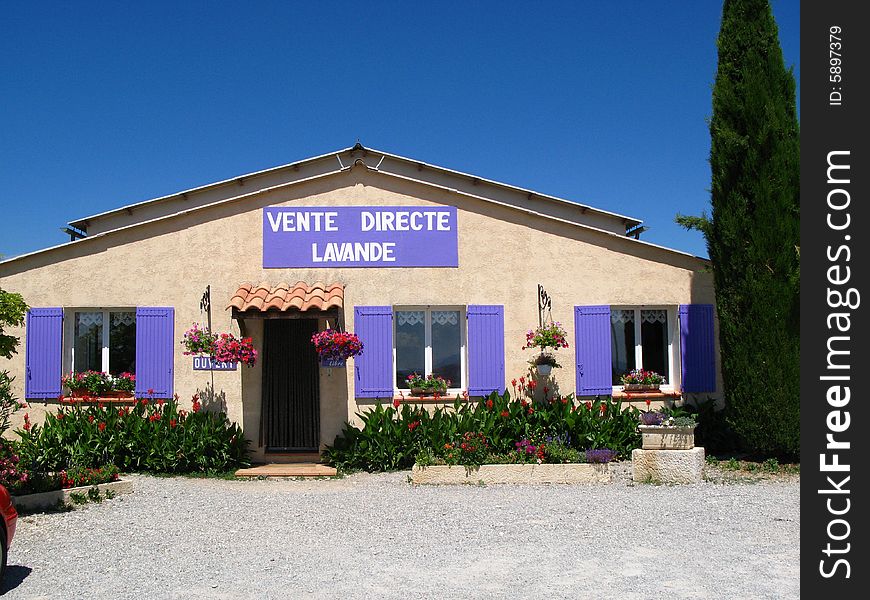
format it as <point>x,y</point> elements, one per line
<point>396,164</point>
<point>240,188</point>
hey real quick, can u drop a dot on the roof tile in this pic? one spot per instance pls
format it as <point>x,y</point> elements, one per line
<point>283,297</point>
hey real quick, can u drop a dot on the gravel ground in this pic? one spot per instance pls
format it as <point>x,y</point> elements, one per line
<point>376,536</point>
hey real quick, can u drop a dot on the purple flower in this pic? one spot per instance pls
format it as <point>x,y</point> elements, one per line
<point>651,418</point>
<point>600,455</point>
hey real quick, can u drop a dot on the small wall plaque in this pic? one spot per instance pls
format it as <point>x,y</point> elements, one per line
<point>207,363</point>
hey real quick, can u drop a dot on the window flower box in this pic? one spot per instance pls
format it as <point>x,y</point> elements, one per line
<point>641,387</point>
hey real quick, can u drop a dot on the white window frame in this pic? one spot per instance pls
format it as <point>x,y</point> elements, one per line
<point>674,380</point>
<point>69,333</point>
<point>427,333</point>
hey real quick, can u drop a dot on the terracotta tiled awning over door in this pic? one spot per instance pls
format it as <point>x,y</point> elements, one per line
<point>283,297</point>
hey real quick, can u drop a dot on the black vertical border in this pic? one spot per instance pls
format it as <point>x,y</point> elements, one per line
<point>826,128</point>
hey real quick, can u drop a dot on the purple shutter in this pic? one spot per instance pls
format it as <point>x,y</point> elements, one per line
<point>697,348</point>
<point>155,351</point>
<point>374,367</point>
<point>485,349</point>
<point>43,352</point>
<point>592,350</point>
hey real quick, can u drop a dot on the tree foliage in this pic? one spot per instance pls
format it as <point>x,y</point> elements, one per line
<point>12,311</point>
<point>753,233</point>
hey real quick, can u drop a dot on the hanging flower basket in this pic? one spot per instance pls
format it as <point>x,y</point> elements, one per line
<point>332,345</point>
<point>198,340</point>
<point>228,348</point>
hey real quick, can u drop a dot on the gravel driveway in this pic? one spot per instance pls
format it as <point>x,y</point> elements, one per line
<point>376,536</point>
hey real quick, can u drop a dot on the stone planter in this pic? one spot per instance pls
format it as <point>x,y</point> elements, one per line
<point>48,500</point>
<point>659,437</point>
<point>523,473</point>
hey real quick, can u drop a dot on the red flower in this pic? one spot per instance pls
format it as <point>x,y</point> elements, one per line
<point>648,402</point>
<point>172,422</point>
<point>154,417</point>
<point>564,401</point>
<point>26,421</point>
<point>413,425</point>
<point>91,418</point>
<point>505,413</point>
<point>588,405</point>
<point>603,408</point>
<point>100,405</point>
<point>489,403</point>
<point>531,410</point>
<point>144,402</point>
<point>102,426</point>
<point>533,384</point>
<point>396,403</point>
<point>514,382</point>
<point>522,379</point>
<point>524,403</point>
<point>150,391</point>
<point>59,415</point>
<point>546,390</point>
<point>160,402</point>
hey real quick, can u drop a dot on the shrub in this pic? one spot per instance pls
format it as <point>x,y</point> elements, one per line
<point>9,404</point>
<point>714,430</point>
<point>81,476</point>
<point>153,436</point>
<point>392,437</point>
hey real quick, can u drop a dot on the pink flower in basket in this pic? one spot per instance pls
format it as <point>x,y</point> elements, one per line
<point>336,345</point>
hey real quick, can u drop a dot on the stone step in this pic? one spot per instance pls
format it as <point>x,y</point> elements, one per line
<point>292,457</point>
<point>308,469</point>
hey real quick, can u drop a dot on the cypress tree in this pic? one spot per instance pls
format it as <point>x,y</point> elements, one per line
<point>753,235</point>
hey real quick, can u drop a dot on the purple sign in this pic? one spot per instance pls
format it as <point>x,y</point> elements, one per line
<point>333,362</point>
<point>207,363</point>
<point>360,236</point>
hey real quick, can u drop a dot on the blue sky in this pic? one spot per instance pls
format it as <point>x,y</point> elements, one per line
<point>106,104</point>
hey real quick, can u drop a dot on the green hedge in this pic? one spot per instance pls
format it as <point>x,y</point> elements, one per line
<point>150,436</point>
<point>392,436</point>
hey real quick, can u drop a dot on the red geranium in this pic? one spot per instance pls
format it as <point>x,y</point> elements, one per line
<point>336,345</point>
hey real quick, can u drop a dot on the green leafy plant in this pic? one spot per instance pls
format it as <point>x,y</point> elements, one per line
<point>94,494</point>
<point>78,498</point>
<point>392,437</point>
<point>771,465</point>
<point>12,311</point>
<point>152,436</point>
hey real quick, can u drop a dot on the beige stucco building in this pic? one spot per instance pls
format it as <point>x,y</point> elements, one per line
<point>446,279</point>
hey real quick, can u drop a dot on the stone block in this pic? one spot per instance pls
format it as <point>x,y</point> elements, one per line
<point>522,473</point>
<point>667,466</point>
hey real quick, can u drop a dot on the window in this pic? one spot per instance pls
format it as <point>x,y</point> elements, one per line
<point>643,338</point>
<point>429,341</point>
<point>102,340</point>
